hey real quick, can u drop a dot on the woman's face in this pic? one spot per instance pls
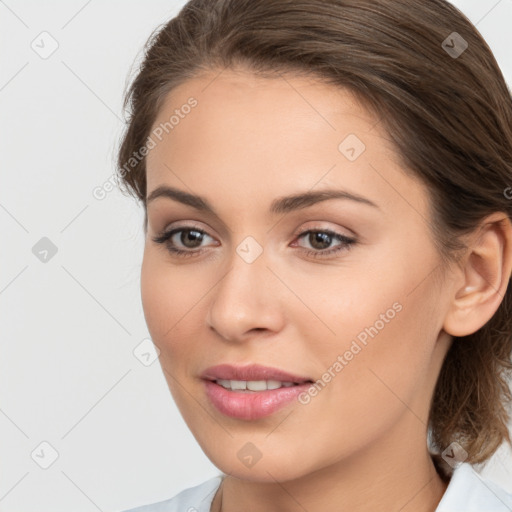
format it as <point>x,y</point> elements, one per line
<point>364,318</point>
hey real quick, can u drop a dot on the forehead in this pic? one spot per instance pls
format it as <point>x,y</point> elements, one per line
<point>254,134</point>
<point>265,98</point>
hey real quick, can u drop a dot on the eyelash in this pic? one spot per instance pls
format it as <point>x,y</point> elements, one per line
<point>346,242</point>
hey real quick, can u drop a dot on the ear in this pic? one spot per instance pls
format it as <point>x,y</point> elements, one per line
<point>484,277</point>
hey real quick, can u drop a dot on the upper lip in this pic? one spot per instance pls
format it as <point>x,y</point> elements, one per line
<point>251,372</point>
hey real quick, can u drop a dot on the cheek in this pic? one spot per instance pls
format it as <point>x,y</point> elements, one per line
<point>155,296</point>
<point>387,373</point>
<point>174,304</point>
<point>383,381</point>
<point>165,303</point>
<point>162,301</point>
<point>374,345</point>
<point>165,292</point>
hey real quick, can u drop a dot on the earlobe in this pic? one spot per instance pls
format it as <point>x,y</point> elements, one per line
<point>485,276</point>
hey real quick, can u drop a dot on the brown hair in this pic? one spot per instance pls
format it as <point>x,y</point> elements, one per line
<point>449,115</point>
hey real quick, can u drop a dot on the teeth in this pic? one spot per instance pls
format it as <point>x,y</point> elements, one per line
<point>253,385</point>
<point>273,384</point>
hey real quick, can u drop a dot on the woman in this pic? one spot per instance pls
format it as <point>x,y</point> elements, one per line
<point>327,200</point>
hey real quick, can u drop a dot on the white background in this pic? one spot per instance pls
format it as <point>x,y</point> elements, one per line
<point>69,326</point>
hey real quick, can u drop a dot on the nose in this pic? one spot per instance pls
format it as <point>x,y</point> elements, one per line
<point>247,300</point>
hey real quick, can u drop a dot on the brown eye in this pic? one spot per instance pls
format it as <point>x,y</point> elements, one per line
<point>190,237</point>
<point>320,240</point>
<point>182,241</point>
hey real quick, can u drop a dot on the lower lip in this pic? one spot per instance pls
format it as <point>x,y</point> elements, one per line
<point>251,405</point>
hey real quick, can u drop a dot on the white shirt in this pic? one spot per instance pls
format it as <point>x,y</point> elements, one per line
<point>467,491</point>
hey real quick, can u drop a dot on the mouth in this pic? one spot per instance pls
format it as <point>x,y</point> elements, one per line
<point>252,392</point>
<point>253,377</point>
<point>251,386</point>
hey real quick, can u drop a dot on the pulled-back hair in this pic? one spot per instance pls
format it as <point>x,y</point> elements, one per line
<point>446,107</point>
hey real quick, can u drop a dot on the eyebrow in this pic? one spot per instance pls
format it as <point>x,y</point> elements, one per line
<point>280,205</point>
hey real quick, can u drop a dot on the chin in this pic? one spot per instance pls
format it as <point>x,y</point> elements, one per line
<point>267,469</point>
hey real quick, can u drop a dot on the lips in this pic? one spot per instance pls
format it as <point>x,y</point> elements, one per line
<point>253,391</point>
<point>253,372</point>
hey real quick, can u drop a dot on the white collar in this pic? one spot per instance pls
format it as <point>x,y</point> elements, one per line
<point>467,491</point>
